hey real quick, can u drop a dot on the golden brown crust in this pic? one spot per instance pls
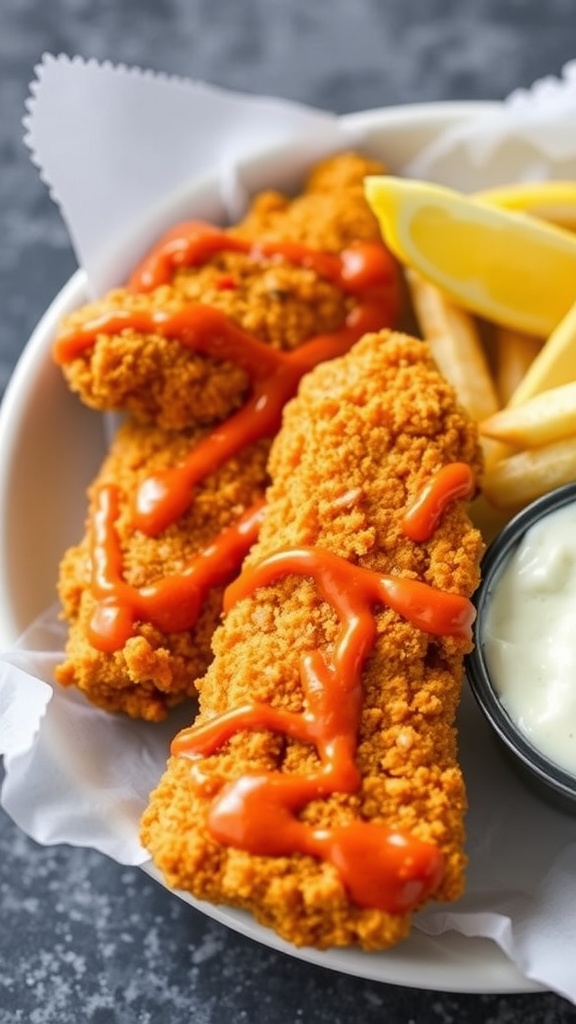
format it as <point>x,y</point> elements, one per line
<point>153,671</point>
<point>364,434</point>
<point>169,389</point>
<point>157,379</point>
<point>331,212</point>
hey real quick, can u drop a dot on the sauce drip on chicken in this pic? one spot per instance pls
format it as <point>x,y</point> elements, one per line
<point>364,271</point>
<point>381,868</point>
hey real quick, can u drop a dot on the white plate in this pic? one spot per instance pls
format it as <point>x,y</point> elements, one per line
<point>50,448</point>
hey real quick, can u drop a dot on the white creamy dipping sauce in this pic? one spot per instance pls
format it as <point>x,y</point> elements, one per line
<point>529,636</point>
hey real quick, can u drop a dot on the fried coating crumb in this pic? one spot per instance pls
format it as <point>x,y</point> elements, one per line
<point>331,212</point>
<point>358,442</point>
<point>153,671</point>
<point>172,396</point>
<point>157,379</point>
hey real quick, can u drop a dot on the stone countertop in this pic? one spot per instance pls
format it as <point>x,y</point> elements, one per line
<point>81,938</point>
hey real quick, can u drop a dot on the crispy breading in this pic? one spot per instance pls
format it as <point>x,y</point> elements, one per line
<point>153,670</point>
<point>159,380</point>
<point>364,434</point>
<point>330,214</point>
<point>167,388</point>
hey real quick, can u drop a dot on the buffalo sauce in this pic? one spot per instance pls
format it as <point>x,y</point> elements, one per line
<point>361,266</point>
<point>453,481</point>
<point>365,271</point>
<point>380,867</point>
<point>173,603</point>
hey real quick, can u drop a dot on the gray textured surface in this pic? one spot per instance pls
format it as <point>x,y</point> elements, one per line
<point>82,939</point>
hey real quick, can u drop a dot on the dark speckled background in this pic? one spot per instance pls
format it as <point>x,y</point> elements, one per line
<point>82,939</point>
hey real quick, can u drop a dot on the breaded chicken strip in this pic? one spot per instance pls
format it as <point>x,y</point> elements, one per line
<point>144,667</point>
<point>214,330</point>
<point>283,302</point>
<point>319,787</point>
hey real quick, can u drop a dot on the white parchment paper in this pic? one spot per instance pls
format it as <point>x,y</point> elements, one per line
<point>111,143</point>
<point>532,135</point>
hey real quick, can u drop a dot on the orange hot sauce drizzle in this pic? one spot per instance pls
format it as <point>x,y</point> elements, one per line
<point>365,270</point>
<point>189,244</point>
<point>451,482</point>
<point>381,868</point>
<point>173,603</point>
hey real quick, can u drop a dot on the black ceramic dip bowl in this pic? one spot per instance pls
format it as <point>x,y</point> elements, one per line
<point>497,609</point>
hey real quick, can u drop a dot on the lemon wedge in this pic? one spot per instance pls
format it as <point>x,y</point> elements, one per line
<point>550,200</point>
<point>506,266</point>
<point>554,201</point>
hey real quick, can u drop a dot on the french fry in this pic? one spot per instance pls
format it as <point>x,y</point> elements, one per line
<point>549,416</point>
<point>514,482</point>
<point>456,347</point>
<point>514,352</point>
<point>535,381</point>
<point>554,365</point>
<point>493,451</point>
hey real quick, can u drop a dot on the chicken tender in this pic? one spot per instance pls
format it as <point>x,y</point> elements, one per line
<point>150,667</point>
<point>282,302</point>
<point>315,763</point>
<point>203,348</point>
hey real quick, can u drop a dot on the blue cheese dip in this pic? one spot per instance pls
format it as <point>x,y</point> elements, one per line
<point>529,639</point>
